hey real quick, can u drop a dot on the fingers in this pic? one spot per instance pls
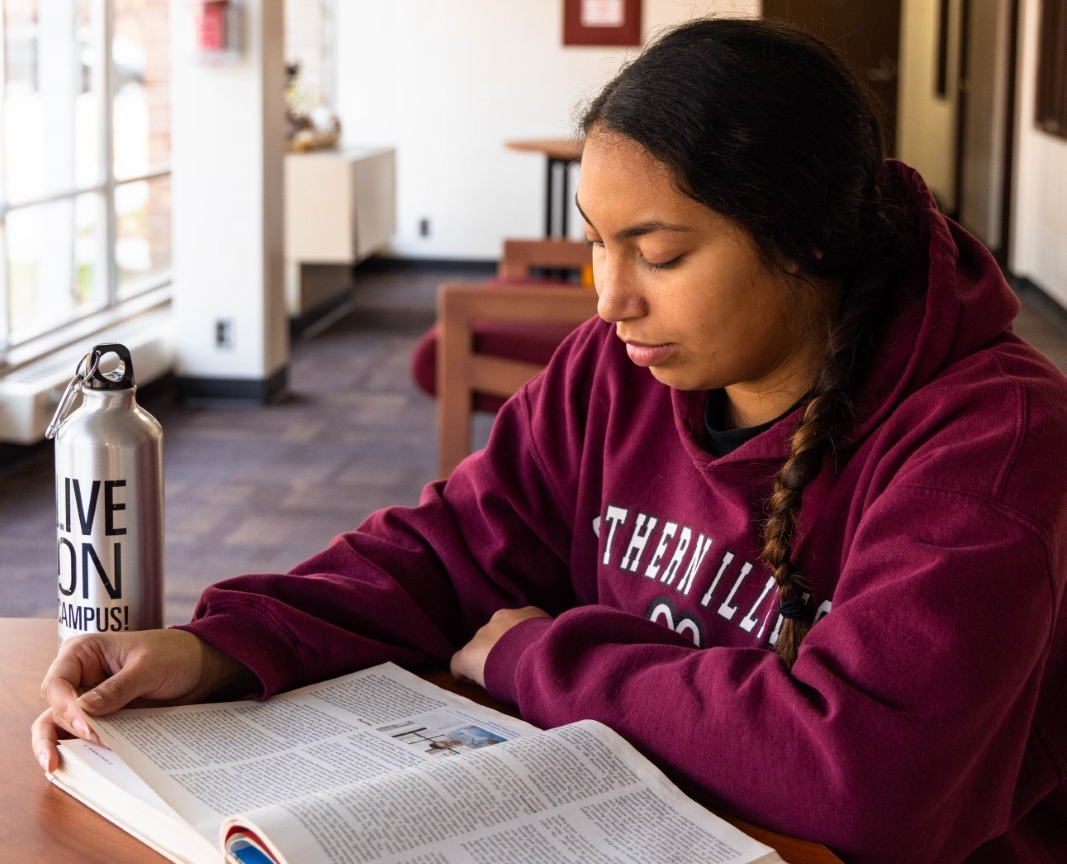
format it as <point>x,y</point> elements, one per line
<point>462,664</point>
<point>95,675</point>
<point>75,666</point>
<point>118,691</point>
<point>98,674</point>
<point>80,683</point>
<point>504,619</point>
<point>45,734</point>
<point>468,663</point>
<point>101,673</point>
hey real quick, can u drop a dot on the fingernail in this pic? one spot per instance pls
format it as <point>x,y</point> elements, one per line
<point>42,759</point>
<point>91,700</point>
<point>81,729</point>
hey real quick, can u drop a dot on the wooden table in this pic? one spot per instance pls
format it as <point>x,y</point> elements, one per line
<point>560,154</point>
<point>41,823</point>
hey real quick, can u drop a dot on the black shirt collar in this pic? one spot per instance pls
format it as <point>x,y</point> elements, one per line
<point>721,441</point>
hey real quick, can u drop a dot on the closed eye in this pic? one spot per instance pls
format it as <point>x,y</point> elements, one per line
<point>663,265</point>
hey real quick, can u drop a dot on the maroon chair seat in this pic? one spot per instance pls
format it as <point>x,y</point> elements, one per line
<point>494,342</point>
<point>529,341</point>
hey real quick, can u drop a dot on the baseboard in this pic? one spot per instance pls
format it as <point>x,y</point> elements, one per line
<point>473,266</point>
<point>1045,301</point>
<point>320,316</point>
<point>261,391</point>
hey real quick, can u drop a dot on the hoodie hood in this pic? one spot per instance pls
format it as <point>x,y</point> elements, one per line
<point>954,302</point>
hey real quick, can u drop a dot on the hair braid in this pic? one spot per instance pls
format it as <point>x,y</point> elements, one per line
<point>816,433</point>
<point>826,420</point>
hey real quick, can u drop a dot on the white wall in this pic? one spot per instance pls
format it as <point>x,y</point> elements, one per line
<point>1039,250</point>
<point>448,82</point>
<point>228,123</point>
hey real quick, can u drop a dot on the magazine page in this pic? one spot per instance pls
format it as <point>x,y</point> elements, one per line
<point>99,778</point>
<point>213,760</point>
<point>579,793</point>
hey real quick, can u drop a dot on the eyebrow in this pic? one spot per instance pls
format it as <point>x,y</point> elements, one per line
<point>638,230</point>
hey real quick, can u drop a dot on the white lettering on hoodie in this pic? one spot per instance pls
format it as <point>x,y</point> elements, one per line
<point>624,550</point>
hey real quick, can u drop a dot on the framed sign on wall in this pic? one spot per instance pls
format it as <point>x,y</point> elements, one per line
<point>601,22</point>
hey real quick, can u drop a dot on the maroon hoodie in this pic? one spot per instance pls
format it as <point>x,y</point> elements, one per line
<point>925,718</point>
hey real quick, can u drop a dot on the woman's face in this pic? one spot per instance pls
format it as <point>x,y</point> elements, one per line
<point>687,290</point>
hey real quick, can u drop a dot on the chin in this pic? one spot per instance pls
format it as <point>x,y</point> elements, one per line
<point>678,379</point>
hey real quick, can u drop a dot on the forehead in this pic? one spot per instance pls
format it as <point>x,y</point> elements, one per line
<point>622,182</point>
<point>610,158</point>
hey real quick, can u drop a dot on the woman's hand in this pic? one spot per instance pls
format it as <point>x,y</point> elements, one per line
<point>469,661</point>
<point>98,674</point>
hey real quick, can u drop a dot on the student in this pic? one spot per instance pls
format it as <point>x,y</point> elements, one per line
<point>791,517</point>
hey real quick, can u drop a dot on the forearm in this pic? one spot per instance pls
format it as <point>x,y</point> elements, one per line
<point>811,754</point>
<point>290,629</point>
<point>411,586</point>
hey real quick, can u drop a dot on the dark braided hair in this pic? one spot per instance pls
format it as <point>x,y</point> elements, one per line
<point>767,126</point>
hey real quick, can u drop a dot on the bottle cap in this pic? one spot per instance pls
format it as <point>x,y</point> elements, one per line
<point>119,378</point>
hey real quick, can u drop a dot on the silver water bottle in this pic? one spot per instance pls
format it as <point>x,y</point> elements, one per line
<point>109,501</point>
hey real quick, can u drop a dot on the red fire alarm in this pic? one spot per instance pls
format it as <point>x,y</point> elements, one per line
<point>215,29</point>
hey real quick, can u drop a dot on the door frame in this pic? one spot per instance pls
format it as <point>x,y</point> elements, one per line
<point>1007,186</point>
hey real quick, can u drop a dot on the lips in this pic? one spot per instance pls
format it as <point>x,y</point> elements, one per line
<point>648,355</point>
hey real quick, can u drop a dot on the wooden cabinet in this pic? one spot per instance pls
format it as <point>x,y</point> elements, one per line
<point>340,208</point>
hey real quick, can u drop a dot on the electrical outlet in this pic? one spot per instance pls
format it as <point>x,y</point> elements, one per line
<point>224,333</point>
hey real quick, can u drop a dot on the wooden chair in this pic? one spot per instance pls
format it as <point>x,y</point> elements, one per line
<point>523,258</point>
<point>492,337</point>
<point>463,372</point>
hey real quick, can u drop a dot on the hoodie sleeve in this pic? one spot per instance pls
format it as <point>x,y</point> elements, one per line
<point>410,585</point>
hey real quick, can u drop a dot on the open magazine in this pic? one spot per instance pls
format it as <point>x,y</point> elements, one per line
<point>381,766</point>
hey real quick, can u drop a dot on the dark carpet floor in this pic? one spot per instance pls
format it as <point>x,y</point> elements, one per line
<point>258,489</point>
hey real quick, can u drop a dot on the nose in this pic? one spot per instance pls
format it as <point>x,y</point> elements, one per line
<point>617,296</point>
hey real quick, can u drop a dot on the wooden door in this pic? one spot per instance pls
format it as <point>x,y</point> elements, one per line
<point>866,32</point>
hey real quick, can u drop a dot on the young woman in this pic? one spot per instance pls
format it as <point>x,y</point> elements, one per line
<point>791,517</point>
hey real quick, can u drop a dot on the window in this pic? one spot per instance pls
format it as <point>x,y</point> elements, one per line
<point>84,159</point>
<point>1051,114</point>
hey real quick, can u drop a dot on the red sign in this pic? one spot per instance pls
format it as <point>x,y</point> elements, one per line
<point>601,22</point>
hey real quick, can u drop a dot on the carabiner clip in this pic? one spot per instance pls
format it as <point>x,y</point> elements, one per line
<point>70,393</point>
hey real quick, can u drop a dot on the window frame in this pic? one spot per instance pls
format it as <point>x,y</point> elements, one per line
<point>103,35</point>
